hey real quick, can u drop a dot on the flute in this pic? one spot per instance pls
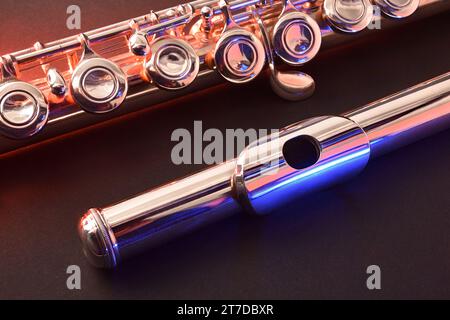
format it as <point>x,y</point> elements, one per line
<point>269,173</point>
<point>61,86</point>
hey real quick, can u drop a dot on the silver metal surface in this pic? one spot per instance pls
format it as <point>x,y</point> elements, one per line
<point>98,85</point>
<point>18,108</point>
<point>398,8</point>
<point>271,172</point>
<point>173,63</point>
<point>23,109</point>
<point>407,116</point>
<point>56,82</point>
<point>296,37</point>
<point>291,85</point>
<point>207,15</point>
<point>154,217</point>
<point>348,15</point>
<point>265,178</point>
<point>185,22</point>
<point>138,40</point>
<point>138,44</point>
<point>239,55</point>
<point>97,241</point>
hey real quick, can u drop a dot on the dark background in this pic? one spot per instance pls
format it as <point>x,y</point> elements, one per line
<point>396,214</point>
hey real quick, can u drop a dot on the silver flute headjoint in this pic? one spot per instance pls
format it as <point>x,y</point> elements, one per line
<point>269,173</point>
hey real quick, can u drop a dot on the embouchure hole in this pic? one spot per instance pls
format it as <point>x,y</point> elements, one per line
<point>301,152</point>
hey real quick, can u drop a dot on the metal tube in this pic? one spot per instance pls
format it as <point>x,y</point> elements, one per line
<point>406,116</point>
<point>154,217</point>
<point>303,157</point>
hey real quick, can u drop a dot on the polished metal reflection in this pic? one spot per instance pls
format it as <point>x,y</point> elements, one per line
<point>176,208</point>
<point>350,10</point>
<point>406,116</point>
<point>173,63</point>
<point>18,108</point>
<point>398,8</point>
<point>207,14</point>
<point>296,36</point>
<point>264,180</point>
<point>199,23</point>
<point>265,176</point>
<point>303,42</point>
<point>348,15</point>
<point>56,82</point>
<point>98,85</point>
<point>291,85</point>
<point>138,42</point>
<point>239,55</point>
<point>23,108</point>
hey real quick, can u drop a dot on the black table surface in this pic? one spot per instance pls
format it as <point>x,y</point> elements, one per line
<point>396,214</point>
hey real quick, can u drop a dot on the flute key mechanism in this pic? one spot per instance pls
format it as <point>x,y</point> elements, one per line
<point>291,85</point>
<point>98,85</point>
<point>398,8</point>
<point>239,55</point>
<point>192,45</point>
<point>171,63</point>
<point>348,15</point>
<point>206,17</point>
<point>296,37</point>
<point>23,108</point>
<point>56,82</point>
<point>138,42</point>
